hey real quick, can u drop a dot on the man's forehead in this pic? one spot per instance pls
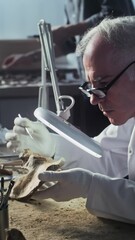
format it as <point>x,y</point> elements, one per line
<point>99,54</point>
<point>97,45</point>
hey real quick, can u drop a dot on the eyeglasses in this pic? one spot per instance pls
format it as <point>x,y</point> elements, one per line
<point>101,92</point>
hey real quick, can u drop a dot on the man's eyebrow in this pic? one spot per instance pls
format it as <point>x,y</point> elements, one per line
<point>99,79</point>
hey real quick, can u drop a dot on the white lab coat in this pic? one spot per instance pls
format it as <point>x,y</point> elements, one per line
<point>110,195</point>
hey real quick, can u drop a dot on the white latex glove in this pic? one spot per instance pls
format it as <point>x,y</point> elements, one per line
<point>41,141</point>
<point>73,183</point>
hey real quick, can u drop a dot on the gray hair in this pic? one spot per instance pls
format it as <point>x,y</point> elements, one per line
<point>119,32</point>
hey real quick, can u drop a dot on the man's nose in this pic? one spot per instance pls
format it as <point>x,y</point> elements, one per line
<point>94,100</point>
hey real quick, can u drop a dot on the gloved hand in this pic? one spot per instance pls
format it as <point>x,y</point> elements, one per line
<point>41,141</point>
<point>73,183</point>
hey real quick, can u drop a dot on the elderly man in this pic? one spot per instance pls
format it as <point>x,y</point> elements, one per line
<point>108,184</point>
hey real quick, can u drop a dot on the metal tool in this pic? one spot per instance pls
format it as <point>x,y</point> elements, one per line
<point>4,222</point>
<point>2,190</point>
<point>27,130</point>
<point>68,131</point>
<point>4,201</point>
<point>7,178</point>
<point>18,162</point>
<point>48,64</point>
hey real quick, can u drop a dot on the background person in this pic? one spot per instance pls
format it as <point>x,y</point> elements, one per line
<point>80,15</point>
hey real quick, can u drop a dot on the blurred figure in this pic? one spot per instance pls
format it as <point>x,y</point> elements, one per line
<point>80,15</point>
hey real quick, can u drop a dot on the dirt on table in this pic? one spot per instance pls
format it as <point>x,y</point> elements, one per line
<point>49,220</point>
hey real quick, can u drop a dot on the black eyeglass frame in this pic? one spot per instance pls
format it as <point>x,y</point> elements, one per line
<point>101,92</point>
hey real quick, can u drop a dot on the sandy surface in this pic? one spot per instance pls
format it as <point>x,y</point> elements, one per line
<point>49,220</point>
